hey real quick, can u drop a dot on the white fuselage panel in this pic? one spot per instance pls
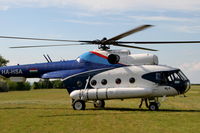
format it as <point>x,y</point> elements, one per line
<point>114,89</point>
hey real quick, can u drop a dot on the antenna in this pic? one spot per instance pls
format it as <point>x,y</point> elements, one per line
<point>46,58</point>
<point>49,58</point>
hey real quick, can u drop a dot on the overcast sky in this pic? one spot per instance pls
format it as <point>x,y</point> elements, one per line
<point>95,19</point>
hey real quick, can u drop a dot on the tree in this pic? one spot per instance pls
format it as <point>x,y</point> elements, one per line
<point>57,84</point>
<point>3,61</point>
<point>3,86</point>
<point>3,83</point>
<point>43,84</point>
<point>46,84</point>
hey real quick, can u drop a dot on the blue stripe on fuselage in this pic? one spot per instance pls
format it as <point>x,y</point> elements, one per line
<point>42,68</point>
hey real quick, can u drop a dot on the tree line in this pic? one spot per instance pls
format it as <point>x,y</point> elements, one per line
<point>7,85</point>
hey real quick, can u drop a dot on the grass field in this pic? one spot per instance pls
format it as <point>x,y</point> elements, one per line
<point>50,111</point>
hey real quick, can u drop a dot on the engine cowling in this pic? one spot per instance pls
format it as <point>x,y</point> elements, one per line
<point>113,59</point>
<point>142,59</point>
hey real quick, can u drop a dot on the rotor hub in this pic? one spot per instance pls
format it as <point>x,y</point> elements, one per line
<point>104,46</point>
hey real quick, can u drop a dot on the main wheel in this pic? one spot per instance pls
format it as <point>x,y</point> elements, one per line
<point>99,104</point>
<point>78,105</point>
<point>153,106</point>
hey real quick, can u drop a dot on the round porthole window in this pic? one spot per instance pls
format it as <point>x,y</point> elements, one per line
<point>104,82</point>
<point>79,83</point>
<point>93,82</point>
<point>118,81</point>
<point>132,80</point>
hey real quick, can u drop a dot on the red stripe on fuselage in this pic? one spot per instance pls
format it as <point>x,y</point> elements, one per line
<point>32,69</point>
<point>103,56</point>
<point>100,55</point>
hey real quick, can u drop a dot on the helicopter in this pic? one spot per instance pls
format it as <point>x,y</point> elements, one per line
<point>106,74</point>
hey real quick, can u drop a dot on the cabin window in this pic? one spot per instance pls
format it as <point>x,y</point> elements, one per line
<point>132,80</point>
<point>118,81</point>
<point>93,82</point>
<point>104,82</point>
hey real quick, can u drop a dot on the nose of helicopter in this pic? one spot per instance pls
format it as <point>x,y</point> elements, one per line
<point>184,87</point>
<point>187,86</point>
<point>181,82</point>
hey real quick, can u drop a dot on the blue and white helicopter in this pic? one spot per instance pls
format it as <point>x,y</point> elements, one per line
<point>106,74</point>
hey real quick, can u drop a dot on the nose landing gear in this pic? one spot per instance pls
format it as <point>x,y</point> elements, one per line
<point>153,106</point>
<point>151,103</point>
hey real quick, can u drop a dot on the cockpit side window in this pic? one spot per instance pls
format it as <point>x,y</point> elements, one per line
<point>157,77</point>
<point>166,77</point>
<point>170,78</point>
<point>176,76</point>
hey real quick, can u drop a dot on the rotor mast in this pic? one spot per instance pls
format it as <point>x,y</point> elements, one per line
<point>103,45</point>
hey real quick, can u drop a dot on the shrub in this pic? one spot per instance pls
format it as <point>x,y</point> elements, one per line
<point>47,84</point>
<point>18,86</point>
<point>3,86</point>
<point>57,84</point>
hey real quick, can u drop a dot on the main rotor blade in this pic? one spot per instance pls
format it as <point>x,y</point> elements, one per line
<point>41,39</point>
<point>128,46</point>
<point>140,28</point>
<point>35,46</point>
<point>160,42</point>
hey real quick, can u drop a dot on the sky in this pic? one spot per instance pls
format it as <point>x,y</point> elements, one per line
<point>95,19</point>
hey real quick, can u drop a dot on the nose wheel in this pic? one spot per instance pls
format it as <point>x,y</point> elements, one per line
<point>153,106</point>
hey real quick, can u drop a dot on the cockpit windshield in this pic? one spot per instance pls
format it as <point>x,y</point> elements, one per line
<point>175,76</point>
<point>166,77</point>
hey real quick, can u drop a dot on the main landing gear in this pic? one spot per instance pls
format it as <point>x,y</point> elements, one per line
<point>99,104</point>
<point>80,104</point>
<point>151,103</point>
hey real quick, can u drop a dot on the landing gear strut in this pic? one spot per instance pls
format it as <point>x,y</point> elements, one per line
<point>151,103</point>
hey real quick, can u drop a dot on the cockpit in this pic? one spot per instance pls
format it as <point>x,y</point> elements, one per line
<point>174,78</point>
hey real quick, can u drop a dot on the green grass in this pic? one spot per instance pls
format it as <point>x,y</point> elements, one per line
<point>50,111</point>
